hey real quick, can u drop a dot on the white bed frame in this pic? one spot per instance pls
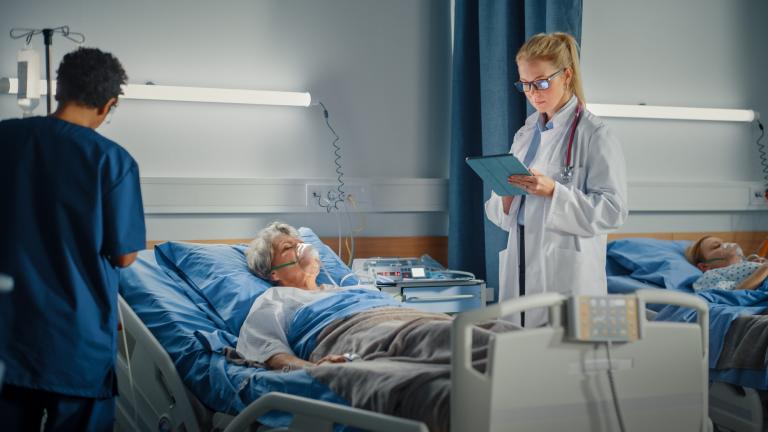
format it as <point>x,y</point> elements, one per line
<point>734,408</point>
<point>738,409</point>
<point>153,397</point>
<point>559,384</point>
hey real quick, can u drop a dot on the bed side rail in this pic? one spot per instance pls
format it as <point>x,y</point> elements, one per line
<point>318,416</point>
<point>653,295</point>
<point>473,382</point>
<point>152,395</point>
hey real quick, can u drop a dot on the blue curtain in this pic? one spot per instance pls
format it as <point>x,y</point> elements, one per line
<point>486,111</point>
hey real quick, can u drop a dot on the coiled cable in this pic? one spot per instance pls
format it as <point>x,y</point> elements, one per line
<point>333,202</point>
<point>763,157</point>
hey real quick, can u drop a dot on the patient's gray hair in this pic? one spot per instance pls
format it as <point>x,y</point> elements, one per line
<point>259,255</point>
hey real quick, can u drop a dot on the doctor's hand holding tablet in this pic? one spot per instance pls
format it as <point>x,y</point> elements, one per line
<point>572,191</point>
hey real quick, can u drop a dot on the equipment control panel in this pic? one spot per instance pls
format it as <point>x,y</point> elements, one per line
<point>603,318</point>
<point>398,273</point>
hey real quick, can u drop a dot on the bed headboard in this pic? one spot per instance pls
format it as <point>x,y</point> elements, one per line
<point>437,246</point>
<point>750,241</point>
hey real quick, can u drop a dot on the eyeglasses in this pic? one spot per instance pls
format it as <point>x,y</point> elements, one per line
<point>540,84</point>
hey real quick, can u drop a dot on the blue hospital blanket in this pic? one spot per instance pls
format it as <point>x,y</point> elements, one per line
<point>633,264</point>
<point>311,319</point>
<point>194,336</point>
<point>724,307</point>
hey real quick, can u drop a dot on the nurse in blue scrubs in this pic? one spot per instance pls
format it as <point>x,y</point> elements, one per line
<point>71,216</point>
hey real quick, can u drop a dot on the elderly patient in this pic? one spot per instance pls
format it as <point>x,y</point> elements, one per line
<point>300,324</point>
<point>279,255</point>
<point>725,266</point>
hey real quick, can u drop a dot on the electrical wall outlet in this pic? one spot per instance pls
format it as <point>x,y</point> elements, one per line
<point>357,197</point>
<point>757,197</point>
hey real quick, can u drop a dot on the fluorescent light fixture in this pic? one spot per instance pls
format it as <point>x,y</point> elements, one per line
<point>673,113</point>
<point>190,94</point>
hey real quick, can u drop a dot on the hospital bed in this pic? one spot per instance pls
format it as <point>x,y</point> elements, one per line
<point>738,397</point>
<point>173,376</point>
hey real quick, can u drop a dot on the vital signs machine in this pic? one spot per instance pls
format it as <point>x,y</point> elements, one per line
<point>423,283</point>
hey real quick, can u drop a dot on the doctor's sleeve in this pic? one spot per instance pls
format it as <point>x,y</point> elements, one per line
<point>123,216</point>
<point>494,210</point>
<point>602,206</point>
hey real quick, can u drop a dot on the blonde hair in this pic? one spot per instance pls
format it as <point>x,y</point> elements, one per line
<point>562,51</point>
<point>693,252</point>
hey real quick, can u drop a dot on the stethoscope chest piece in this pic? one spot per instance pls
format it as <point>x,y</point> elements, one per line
<point>566,175</point>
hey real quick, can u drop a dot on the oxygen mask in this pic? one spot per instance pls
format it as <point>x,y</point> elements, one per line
<point>304,257</point>
<point>732,249</point>
<point>725,254</point>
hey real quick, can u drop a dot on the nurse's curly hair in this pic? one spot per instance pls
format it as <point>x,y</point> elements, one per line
<point>259,255</point>
<point>89,77</point>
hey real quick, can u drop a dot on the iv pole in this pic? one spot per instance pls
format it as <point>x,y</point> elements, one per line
<point>48,40</point>
<point>78,38</point>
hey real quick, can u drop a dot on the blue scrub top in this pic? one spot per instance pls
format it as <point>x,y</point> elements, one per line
<point>70,200</point>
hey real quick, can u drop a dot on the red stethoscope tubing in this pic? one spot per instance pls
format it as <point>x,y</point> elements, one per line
<point>579,110</point>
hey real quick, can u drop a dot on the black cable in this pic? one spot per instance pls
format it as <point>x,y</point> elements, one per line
<point>763,157</point>
<point>333,202</point>
<point>616,405</point>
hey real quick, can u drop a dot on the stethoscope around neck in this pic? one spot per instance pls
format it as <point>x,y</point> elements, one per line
<point>566,174</point>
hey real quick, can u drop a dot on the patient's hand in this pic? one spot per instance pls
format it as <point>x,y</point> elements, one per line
<point>332,358</point>
<point>287,362</point>
<point>756,258</point>
<point>756,279</point>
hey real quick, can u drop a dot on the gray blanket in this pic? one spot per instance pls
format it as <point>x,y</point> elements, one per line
<point>405,366</point>
<point>746,344</point>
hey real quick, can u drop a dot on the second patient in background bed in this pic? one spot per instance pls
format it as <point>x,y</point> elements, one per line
<point>725,266</point>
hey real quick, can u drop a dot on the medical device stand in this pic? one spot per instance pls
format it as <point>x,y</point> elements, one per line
<point>48,40</point>
<point>542,380</point>
<point>78,38</point>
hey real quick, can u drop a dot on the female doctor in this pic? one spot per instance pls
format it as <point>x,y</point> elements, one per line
<point>577,193</point>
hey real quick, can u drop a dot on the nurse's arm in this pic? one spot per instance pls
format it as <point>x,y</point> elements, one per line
<point>124,260</point>
<point>755,279</point>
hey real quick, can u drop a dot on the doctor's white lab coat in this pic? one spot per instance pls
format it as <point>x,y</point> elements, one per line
<point>565,235</point>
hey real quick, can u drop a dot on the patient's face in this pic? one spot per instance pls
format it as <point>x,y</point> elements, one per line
<point>299,274</point>
<point>714,255</point>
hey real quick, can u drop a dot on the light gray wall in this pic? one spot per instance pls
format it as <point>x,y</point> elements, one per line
<point>381,67</point>
<point>694,53</point>
<point>383,70</point>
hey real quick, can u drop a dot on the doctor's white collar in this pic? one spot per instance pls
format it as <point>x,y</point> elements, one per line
<point>562,116</point>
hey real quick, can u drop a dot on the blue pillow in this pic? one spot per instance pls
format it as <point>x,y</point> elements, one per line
<point>220,274</point>
<point>660,262</point>
<point>334,270</point>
